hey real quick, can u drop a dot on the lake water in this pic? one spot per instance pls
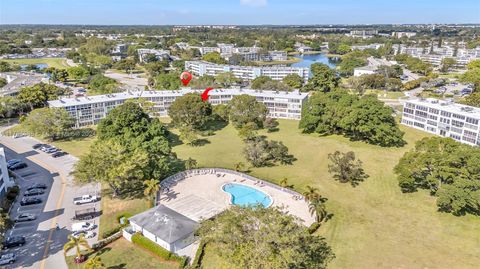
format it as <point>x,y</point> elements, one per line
<point>309,59</point>
<point>39,66</point>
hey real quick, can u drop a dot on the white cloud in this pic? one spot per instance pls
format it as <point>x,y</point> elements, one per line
<point>254,3</point>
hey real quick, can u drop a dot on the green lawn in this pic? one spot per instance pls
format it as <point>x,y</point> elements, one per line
<point>111,208</point>
<point>77,147</point>
<point>122,254</point>
<point>51,62</point>
<point>374,224</point>
<point>385,94</point>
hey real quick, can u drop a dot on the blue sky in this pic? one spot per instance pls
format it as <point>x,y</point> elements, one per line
<point>160,12</point>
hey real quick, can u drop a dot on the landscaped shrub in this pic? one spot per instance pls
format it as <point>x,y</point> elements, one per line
<point>102,243</point>
<point>112,231</point>
<point>12,193</point>
<point>146,243</point>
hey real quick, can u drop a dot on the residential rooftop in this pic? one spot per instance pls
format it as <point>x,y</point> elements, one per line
<point>165,223</point>
<point>65,102</point>
<point>448,106</point>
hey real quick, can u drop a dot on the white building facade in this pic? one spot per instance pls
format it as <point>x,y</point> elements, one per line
<point>5,180</point>
<point>444,118</point>
<point>201,68</point>
<point>91,109</point>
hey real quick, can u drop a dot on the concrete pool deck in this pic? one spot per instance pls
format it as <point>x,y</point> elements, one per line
<point>199,195</point>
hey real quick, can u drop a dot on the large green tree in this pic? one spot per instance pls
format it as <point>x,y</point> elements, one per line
<point>264,238</point>
<point>448,169</point>
<point>293,81</point>
<point>131,147</point>
<point>346,168</point>
<point>324,78</point>
<point>214,57</point>
<point>244,109</point>
<point>339,112</point>
<point>38,94</point>
<point>190,110</point>
<point>51,123</point>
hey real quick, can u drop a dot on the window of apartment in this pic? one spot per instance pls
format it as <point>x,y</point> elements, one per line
<point>468,139</point>
<point>422,108</point>
<point>472,121</point>
<point>446,114</point>
<point>456,137</point>
<point>433,110</point>
<point>431,129</point>
<point>443,120</point>
<point>458,116</point>
<point>419,124</point>
<point>469,134</point>
<point>408,110</point>
<point>433,117</point>
<point>457,123</point>
<point>421,114</point>
<point>434,123</point>
<point>456,130</point>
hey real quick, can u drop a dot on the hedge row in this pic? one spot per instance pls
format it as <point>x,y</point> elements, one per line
<point>102,243</point>
<point>197,261</point>
<point>148,244</point>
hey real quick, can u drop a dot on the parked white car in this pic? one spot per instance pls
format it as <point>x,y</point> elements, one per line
<point>82,227</point>
<point>87,234</point>
<point>85,199</point>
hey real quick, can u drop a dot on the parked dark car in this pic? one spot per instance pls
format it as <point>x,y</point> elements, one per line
<point>12,162</point>
<point>33,192</point>
<point>37,146</point>
<point>51,150</point>
<point>25,217</point>
<point>14,241</point>
<point>59,154</point>
<point>30,201</point>
<point>37,186</point>
<point>17,166</point>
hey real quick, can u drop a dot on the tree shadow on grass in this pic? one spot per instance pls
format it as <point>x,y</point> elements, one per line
<point>118,266</point>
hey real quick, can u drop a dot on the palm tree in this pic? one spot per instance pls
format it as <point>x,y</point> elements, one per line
<point>76,243</point>
<point>311,193</point>
<point>284,183</point>
<point>95,263</point>
<point>152,186</point>
<point>317,208</point>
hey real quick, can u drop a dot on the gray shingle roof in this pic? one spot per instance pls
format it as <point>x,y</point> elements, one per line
<point>165,223</point>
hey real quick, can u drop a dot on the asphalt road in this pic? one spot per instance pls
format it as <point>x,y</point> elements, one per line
<point>44,247</point>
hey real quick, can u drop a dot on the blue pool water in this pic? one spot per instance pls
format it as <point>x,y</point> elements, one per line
<point>246,196</point>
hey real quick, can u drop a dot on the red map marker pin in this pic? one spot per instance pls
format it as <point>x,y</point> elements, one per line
<point>205,94</point>
<point>185,77</point>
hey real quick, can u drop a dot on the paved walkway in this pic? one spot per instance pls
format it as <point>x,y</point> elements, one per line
<point>201,197</point>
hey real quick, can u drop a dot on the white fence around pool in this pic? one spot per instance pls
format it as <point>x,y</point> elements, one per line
<point>173,179</point>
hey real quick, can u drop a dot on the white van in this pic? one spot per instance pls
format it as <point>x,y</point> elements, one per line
<point>82,227</point>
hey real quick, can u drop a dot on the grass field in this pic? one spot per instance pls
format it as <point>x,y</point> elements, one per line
<point>51,62</point>
<point>385,94</point>
<point>374,224</point>
<point>111,208</point>
<point>122,254</point>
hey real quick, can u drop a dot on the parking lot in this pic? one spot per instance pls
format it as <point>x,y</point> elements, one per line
<point>44,242</point>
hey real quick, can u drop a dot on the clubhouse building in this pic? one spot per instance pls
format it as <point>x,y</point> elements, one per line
<point>90,110</point>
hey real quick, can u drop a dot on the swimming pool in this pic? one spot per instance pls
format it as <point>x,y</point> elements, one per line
<point>246,196</point>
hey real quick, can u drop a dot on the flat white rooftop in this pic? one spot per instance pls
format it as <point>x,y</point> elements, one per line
<point>448,106</point>
<point>65,102</point>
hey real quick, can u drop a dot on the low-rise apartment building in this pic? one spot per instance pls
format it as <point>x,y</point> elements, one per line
<point>159,54</point>
<point>444,118</point>
<point>90,110</point>
<point>5,180</point>
<point>201,68</point>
